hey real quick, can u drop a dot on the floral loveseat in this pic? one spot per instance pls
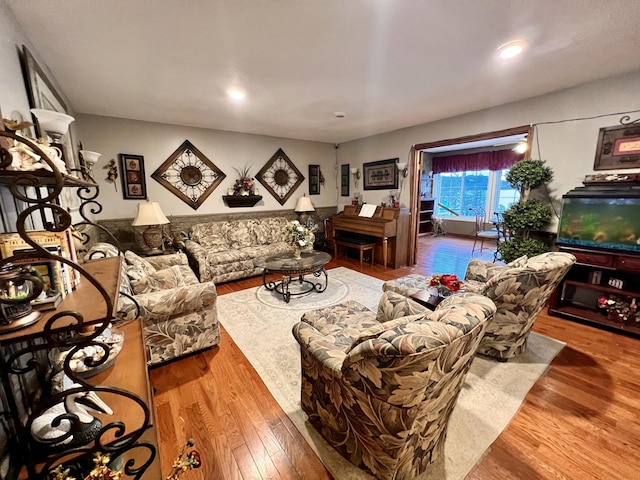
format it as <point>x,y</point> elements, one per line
<point>224,251</point>
<point>381,388</point>
<point>178,313</point>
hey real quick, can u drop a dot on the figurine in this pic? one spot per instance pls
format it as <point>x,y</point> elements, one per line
<point>57,422</point>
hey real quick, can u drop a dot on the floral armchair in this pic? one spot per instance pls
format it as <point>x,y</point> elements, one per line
<point>178,313</point>
<point>381,388</point>
<point>520,290</point>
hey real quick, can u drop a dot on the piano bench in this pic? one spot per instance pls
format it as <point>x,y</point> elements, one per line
<point>361,242</point>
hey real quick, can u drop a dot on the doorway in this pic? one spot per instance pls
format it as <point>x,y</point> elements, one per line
<point>418,167</point>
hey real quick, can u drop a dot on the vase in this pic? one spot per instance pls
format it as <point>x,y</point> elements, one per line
<point>296,252</point>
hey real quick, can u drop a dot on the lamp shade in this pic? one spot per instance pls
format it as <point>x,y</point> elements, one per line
<point>149,213</point>
<point>54,123</point>
<point>401,166</point>
<point>89,157</point>
<point>304,205</point>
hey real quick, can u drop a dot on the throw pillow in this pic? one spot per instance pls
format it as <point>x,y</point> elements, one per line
<point>138,262</point>
<point>161,280</point>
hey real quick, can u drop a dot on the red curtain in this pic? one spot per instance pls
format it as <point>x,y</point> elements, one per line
<point>496,160</point>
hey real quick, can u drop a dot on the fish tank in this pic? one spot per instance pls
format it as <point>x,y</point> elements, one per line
<point>601,220</point>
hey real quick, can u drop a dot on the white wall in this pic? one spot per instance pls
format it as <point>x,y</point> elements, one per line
<point>156,142</point>
<point>569,148</point>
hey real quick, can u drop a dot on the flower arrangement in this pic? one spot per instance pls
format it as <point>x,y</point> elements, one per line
<point>187,460</point>
<point>450,282</point>
<point>297,234</point>
<point>244,184</point>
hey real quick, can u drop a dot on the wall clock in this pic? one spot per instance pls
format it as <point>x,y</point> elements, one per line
<point>280,176</point>
<point>189,175</point>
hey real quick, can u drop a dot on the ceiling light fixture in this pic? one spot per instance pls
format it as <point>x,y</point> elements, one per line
<point>340,114</point>
<point>511,49</point>
<point>237,94</point>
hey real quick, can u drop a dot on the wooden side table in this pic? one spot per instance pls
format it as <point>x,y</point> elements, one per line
<point>423,297</point>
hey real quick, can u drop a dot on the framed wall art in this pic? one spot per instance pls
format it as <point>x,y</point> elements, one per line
<point>618,147</point>
<point>280,176</point>
<point>314,179</point>
<point>381,175</point>
<point>42,94</point>
<point>189,175</point>
<point>344,180</point>
<point>132,174</point>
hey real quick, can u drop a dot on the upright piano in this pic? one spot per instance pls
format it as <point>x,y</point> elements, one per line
<point>390,227</point>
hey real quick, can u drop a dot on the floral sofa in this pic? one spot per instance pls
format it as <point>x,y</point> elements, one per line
<point>225,250</point>
<point>519,289</point>
<point>178,313</point>
<point>381,387</point>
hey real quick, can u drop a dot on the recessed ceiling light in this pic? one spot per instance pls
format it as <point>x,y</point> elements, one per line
<point>340,114</point>
<point>237,94</point>
<point>511,49</point>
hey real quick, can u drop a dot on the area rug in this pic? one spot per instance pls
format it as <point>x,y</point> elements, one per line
<point>491,395</point>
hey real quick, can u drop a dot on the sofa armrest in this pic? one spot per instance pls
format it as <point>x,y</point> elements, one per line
<point>177,301</point>
<point>197,258</point>
<point>320,348</point>
<point>161,262</point>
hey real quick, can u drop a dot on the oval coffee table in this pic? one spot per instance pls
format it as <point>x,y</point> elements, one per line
<point>284,264</point>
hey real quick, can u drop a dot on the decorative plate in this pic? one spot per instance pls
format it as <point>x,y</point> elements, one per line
<point>280,176</point>
<point>189,175</point>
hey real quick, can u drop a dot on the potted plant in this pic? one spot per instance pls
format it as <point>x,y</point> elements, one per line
<point>526,215</point>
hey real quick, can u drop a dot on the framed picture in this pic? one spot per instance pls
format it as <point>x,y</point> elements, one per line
<point>618,147</point>
<point>314,179</point>
<point>132,173</point>
<point>42,94</point>
<point>344,180</point>
<point>381,175</point>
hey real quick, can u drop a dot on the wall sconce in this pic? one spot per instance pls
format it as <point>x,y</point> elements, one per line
<point>403,173</point>
<point>355,172</point>
<point>90,159</point>
<point>150,215</point>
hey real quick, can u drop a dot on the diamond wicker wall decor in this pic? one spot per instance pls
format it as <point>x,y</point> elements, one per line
<point>280,176</point>
<point>189,175</point>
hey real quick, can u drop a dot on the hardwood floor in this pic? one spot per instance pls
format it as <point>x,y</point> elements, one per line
<point>580,421</point>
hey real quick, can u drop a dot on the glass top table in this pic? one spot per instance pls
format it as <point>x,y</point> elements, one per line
<point>310,263</point>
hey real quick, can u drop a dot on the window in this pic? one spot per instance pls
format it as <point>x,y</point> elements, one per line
<point>460,191</point>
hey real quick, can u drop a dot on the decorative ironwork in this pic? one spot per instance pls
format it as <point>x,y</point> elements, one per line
<point>280,176</point>
<point>23,359</point>
<point>189,175</point>
<point>626,120</point>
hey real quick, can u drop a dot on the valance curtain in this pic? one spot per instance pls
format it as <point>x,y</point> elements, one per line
<point>495,160</point>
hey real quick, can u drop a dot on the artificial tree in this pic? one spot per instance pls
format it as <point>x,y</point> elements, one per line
<point>526,215</point>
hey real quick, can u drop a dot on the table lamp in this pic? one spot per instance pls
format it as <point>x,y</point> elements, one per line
<point>303,208</point>
<point>150,215</point>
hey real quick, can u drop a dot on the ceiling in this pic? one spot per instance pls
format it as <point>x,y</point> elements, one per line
<point>388,64</point>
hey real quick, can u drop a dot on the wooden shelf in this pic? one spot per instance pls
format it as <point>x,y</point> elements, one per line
<point>85,299</point>
<point>591,317</point>
<point>234,201</point>
<point>45,177</point>
<point>134,380</point>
